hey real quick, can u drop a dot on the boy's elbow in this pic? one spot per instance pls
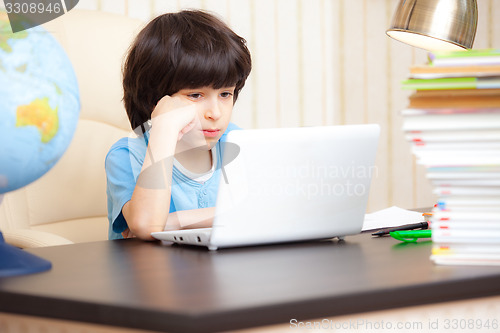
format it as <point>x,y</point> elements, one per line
<point>142,223</point>
<point>142,228</point>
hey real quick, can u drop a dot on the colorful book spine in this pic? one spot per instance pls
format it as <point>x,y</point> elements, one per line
<point>453,125</point>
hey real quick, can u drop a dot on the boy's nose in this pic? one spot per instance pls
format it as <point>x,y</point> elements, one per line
<point>213,111</point>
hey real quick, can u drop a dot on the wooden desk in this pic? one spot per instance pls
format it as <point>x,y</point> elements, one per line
<point>148,286</point>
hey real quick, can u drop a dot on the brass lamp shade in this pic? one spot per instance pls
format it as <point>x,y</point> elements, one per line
<point>435,24</point>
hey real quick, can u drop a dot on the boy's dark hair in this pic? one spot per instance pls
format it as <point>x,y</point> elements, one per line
<point>184,50</point>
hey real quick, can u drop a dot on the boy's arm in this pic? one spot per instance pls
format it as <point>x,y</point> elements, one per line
<point>185,219</point>
<point>191,219</point>
<point>148,209</point>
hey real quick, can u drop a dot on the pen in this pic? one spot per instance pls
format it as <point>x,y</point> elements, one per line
<point>411,236</point>
<point>413,226</point>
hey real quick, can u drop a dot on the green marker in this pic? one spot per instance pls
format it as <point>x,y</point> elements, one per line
<point>411,236</point>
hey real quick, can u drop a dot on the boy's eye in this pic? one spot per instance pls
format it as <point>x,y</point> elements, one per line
<point>226,94</point>
<point>194,95</point>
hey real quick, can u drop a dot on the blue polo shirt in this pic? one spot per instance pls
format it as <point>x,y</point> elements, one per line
<point>123,165</point>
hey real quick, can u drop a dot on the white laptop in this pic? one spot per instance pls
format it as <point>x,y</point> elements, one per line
<point>287,185</point>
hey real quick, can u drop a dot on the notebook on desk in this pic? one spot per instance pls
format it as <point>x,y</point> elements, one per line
<point>289,184</point>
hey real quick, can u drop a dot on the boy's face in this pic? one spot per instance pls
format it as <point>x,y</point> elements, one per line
<point>214,107</point>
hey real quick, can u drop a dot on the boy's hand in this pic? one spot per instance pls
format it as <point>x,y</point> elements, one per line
<point>175,114</point>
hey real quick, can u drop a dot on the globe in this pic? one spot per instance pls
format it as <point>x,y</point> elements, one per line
<point>39,109</point>
<point>39,104</point>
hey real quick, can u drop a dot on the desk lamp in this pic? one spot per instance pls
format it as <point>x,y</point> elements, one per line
<point>435,25</point>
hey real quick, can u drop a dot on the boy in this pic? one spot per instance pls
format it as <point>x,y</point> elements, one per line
<point>181,78</point>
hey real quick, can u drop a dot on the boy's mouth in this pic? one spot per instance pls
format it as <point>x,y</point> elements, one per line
<point>211,133</point>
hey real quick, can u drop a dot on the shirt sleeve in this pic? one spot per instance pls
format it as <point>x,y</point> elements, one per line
<point>122,168</point>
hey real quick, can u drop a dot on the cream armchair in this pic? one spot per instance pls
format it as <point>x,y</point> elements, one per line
<point>68,204</point>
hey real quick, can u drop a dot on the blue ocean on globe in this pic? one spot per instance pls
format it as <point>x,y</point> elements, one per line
<point>39,104</point>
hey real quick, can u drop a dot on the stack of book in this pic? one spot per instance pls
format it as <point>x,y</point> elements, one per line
<point>453,124</point>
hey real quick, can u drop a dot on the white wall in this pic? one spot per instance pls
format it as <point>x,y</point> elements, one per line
<point>323,62</point>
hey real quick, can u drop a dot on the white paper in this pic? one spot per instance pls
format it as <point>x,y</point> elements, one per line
<point>391,217</point>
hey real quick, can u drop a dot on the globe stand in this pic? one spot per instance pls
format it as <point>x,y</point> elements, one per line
<point>15,261</point>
